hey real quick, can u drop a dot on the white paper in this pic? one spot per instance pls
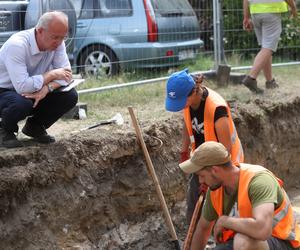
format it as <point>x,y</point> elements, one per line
<point>73,84</point>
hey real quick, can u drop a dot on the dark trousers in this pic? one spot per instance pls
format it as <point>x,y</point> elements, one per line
<point>192,196</point>
<point>14,108</point>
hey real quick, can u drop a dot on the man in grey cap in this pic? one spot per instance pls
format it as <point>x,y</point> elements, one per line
<point>245,206</point>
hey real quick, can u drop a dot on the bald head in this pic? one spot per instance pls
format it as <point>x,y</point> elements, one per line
<point>52,18</point>
<point>51,30</point>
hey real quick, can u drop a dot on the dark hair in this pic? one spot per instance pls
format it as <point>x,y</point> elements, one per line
<point>227,164</point>
<point>191,92</point>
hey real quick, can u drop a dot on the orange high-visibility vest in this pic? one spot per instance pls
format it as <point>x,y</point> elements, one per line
<point>213,101</point>
<point>284,223</point>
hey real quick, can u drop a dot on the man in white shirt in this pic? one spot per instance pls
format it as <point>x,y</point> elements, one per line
<point>33,63</point>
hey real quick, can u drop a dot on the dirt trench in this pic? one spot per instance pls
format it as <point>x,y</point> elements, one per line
<point>92,190</point>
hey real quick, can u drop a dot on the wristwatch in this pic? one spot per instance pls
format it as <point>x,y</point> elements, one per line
<point>50,88</point>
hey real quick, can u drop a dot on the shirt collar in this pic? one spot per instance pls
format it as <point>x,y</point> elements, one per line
<point>33,44</point>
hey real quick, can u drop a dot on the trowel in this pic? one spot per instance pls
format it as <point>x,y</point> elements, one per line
<point>116,119</point>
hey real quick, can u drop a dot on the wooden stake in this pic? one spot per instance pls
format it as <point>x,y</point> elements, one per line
<point>152,173</point>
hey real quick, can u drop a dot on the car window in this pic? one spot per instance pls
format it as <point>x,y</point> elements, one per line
<point>110,8</point>
<point>77,6</point>
<point>84,8</point>
<point>179,8</point>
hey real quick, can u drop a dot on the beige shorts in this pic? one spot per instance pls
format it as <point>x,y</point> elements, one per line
<point>267,27</point>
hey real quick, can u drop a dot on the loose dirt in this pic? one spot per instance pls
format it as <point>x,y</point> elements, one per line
<point>91,190</point>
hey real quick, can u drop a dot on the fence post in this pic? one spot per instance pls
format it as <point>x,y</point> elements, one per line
<point>218,33</point>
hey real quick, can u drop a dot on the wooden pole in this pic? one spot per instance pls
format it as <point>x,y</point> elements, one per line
<point>152,173</point>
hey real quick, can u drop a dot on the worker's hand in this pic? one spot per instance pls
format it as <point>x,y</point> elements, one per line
<point>37,96</point>
<point>247,24</point>
<point>184,156</point>
<point>62,74</point>
<point>219,228</point>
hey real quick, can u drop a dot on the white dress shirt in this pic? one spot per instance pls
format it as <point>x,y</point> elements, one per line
<point>22,64</point>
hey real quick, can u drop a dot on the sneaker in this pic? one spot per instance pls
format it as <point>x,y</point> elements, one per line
<point>251,84</point>
<point>271,84</point>
<point>38,133</point>
<point>9,139</point>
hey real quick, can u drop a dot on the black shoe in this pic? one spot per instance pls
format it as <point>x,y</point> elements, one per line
<point>9,139</point>
<point>38,133</point>
<point>251,84</point>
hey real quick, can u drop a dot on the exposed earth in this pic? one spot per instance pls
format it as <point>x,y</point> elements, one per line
<point>91,190</point>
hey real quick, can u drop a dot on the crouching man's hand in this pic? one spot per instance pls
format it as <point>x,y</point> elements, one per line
<point>37,96</point>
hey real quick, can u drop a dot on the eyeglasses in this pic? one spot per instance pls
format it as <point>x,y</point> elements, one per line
<point>58,38</point>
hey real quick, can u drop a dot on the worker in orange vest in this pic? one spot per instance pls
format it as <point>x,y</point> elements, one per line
<point>246,206</point>
<point>207,117</point>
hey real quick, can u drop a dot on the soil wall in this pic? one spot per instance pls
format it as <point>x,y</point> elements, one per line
<point>92,190</point>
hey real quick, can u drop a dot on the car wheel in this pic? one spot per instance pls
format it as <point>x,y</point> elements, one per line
<point>99,61</point>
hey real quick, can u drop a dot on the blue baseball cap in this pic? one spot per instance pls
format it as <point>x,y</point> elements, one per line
<point>179,85</point>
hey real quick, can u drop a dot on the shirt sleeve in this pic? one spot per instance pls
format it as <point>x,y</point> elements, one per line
<point>17,70</point>
<point>61,60</point>
<point>264,188</point>
<point>208,211</point>
<point>220,112</point>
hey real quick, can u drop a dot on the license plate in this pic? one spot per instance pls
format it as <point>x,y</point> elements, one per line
<point>5,21</point>
<point>186,54</point>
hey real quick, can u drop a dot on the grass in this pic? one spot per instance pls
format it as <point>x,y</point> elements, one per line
<point>148,99</point>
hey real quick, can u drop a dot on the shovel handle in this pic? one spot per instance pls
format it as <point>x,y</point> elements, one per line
<point>152,173</point>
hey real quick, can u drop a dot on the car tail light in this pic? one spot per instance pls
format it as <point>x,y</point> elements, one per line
<point>169,53</point>
<point>152,25</point>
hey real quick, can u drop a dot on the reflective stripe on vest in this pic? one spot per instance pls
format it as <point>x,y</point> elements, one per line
<point>213,101</point>
<point>268,6</point>
<point>279,216</point>
<point>284,224</point>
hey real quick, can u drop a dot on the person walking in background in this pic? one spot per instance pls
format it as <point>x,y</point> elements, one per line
<point>207,117</point>
<point>33,63</point>
<point>266,21</point>
<point>246,207</point>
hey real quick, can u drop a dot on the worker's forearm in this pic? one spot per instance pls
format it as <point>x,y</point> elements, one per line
<point>248,226</point>
<point>48,77</point>
<point>200,236</point>
<point>185,140</point>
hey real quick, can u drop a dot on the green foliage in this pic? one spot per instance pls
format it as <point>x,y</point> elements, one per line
<point>290,38</point>
<point>238,40</point>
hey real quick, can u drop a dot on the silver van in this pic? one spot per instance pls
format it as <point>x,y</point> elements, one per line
<point>114,34</point>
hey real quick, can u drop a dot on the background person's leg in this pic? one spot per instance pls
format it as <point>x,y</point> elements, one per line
<point>192,196</point>
<point>268,70</point>
<point>261,60</point>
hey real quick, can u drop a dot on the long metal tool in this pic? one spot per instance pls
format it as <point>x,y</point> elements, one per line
<point>152,173</point>
<point>116,119</point>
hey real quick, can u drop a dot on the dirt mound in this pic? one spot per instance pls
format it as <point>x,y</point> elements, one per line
<point>92,190</point>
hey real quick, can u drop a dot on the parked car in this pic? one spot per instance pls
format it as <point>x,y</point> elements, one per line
<point>133,34</point>
<point>12,15</point>
<point>19,15</point>
<point>114,34</point>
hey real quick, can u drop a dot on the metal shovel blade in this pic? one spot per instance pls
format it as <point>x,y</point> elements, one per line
<point>117,119</point>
